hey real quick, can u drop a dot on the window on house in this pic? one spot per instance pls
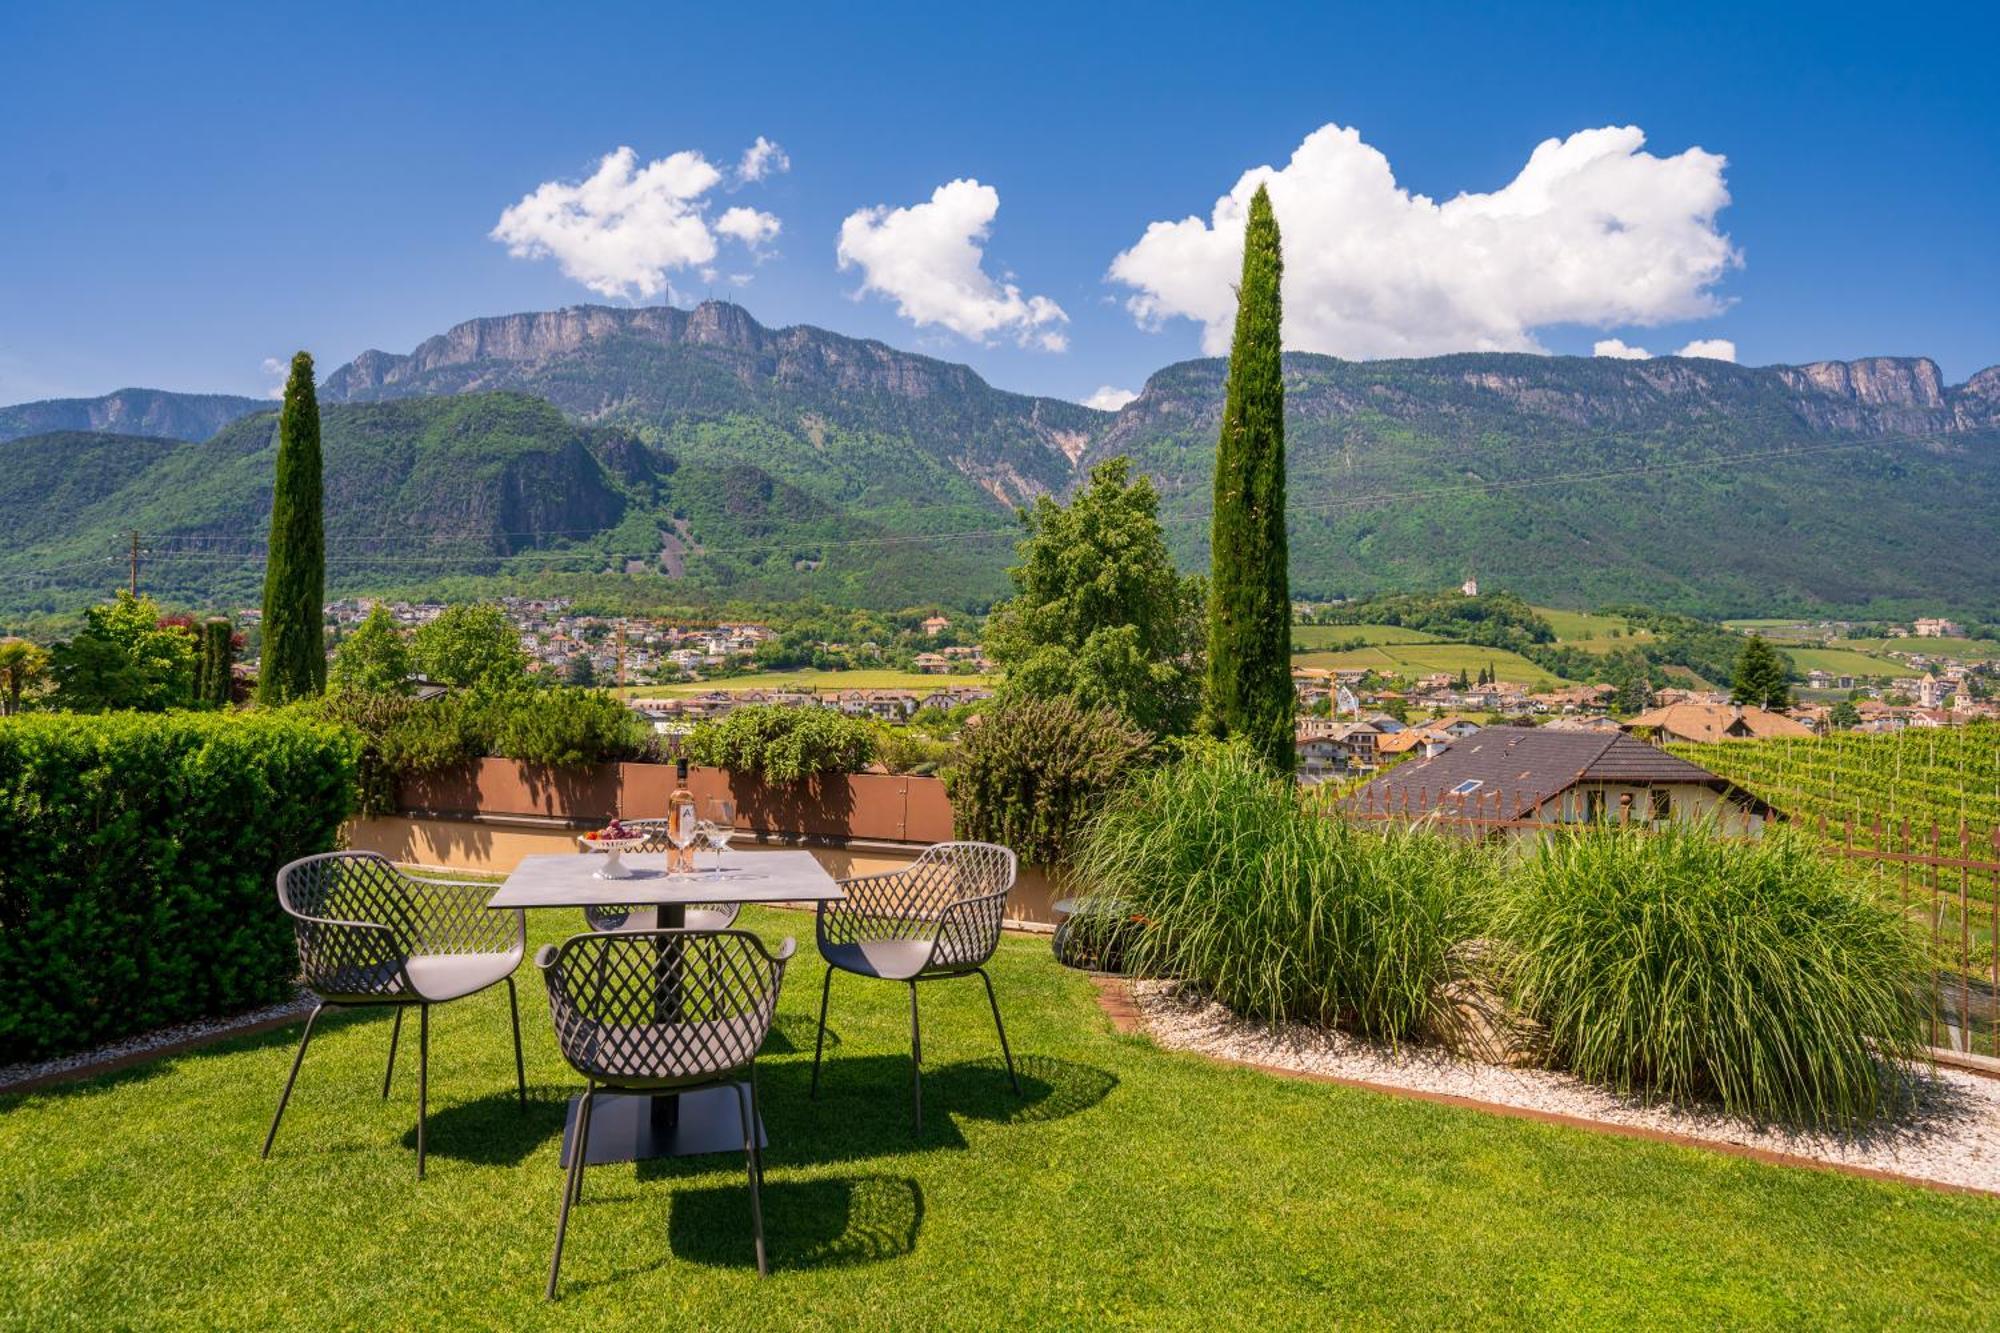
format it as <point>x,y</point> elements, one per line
<point>1663,803</point>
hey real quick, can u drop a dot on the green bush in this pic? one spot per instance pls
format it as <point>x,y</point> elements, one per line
<point>783,744</point>
<point>402,737</point>
<point>138,856</point>
<point>1033,771</point>
<point>1278,911</point>
<point>908,750</point>
<point>1695,967</point>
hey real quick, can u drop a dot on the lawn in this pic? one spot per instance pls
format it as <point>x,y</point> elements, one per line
<point>807,679</point>
<point>1422,659</point>
<point>1130,1186</point>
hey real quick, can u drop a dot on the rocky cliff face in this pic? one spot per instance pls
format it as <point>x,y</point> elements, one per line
<point>152,412</point>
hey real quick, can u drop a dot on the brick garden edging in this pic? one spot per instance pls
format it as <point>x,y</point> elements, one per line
<point>1114,997</point>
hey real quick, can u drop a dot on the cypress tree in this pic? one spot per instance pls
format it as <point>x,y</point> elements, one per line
<point>217,656</point>
<point>1250,607</point>
<point>294,661</point>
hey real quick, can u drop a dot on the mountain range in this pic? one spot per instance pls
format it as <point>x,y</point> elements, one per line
<point>680,455</point>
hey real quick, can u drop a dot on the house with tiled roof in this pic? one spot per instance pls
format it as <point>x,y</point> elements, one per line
<point>1542,775</point>
<point>1715,722</point>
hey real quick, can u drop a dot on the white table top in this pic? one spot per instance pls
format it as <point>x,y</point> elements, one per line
<point>747,877</point>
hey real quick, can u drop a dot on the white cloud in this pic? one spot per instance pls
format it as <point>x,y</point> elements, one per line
<point>1591,231</point>
<point>624,229</point>
<point>762,159</point>
<point>927,258</point>
<point>1714,349</point>
<point>1109,399</point>
<point>282,369</point>
<point>749,226</point>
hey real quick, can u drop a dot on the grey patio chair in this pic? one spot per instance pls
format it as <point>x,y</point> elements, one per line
<point>659,1011</point>
<point>696,916</point>
<point>370,935</point>
<point>937,917</point>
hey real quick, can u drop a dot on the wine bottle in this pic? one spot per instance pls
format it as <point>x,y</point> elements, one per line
<point>681,818</point>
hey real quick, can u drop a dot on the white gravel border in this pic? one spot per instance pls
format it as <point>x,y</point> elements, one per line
<point>1951,1134</point>
<point>204,1030</point>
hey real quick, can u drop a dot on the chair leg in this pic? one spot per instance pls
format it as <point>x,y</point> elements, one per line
<point>746,1107</point>
<point>756,1101</point>
<point>285,1096</point>
<point>819,1042</point>
<point>1001,1028</point>
<point>572,1184</point>
<point>395,1035</point>
<point>520,1068</point>
<point>916,1063</point>
<point>423,1079</point>
<point>583,1141</point>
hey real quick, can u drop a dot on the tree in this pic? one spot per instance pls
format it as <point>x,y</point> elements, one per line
<point>1843,716</point>
<point>1100,614</point>
<point>1762,676</point>
<point>374,659</point>
<point>294,661</point>
<point>24,669</point>
<point>215,677</point>
<point>580,672</point>
<point>1250,607</point>
<point>124,657</point>
<point>470,644</point>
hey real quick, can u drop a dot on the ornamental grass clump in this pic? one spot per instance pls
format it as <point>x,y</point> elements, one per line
<point>1224,877</point>
<point>1700,968</point>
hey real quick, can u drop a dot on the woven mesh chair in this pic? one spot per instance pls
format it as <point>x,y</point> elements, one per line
<point>663,1011</point>
<point>370,935</point>
<point>696,916</point>
<point>937,917</point>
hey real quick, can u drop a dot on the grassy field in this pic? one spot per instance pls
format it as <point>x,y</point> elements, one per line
<point>1966,650</point>
<point>1585,629</point>
<point>1128,1187</point>
<point>1422,659</point>
<point>1845,662</point>
<point>806,679</point>
<point>1318,636</point>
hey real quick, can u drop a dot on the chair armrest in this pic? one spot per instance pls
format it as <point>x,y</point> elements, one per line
<point>546,955</point>
<point>333,952</point>
<point>785,950</point>
<point>968,930</point>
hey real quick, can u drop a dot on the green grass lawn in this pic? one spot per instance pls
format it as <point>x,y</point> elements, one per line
<point>1130,1186</point>
<point>807,679</point>
<point>1422,659</point>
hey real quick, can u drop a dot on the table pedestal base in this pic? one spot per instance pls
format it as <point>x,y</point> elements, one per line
<point>629,1127</point>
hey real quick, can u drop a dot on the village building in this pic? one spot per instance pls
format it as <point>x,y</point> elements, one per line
<point>1543,775</point>
<point>1714,722</point>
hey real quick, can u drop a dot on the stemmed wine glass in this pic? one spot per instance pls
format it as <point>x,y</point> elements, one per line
<point>717,828</point>
<point>683,834</point>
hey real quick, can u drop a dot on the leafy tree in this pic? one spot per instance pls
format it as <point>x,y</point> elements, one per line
<point>374,658</point>
<point>1762,676</point>
<point>24,669</point>
<point>125,658</point>
<point>470,644</point>
<point>1250,612</point>
<point>294,661</point>
<point>1100,615</point>
<point>1843,716</point>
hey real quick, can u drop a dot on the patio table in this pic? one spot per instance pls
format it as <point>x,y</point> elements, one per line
<point>627,1128</point>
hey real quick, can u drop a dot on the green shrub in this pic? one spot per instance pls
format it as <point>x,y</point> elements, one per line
<point>783,744</point>
<point>137,862</point>
<point>908,750</point>
<point>1034,770</point>
<point>1280,912</point>
<point>564,727</point>
<point>1694,966</point>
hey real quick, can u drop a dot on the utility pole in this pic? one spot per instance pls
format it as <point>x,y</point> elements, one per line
<point>135,562</point>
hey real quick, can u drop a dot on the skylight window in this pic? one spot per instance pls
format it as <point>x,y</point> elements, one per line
<point>1467,787</point>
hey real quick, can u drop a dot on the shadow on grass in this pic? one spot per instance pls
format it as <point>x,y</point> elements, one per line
<point>840,1222</point>
<point>494,1130</point>
<point>794,1034</point>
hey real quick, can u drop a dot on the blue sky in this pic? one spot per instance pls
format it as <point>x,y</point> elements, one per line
<point>191,191</point>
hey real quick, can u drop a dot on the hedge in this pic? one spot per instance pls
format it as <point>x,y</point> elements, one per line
<point>138,854</point>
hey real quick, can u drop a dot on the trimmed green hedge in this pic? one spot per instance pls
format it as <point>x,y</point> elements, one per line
<point>138,855</point>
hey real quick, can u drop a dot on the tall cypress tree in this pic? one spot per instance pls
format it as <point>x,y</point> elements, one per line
<point>218,654</point>
<point>294,661</point>
<point>1250,605</point>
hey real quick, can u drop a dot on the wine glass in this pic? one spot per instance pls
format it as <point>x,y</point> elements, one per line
<point>683,835</point>
<point>718,828</point>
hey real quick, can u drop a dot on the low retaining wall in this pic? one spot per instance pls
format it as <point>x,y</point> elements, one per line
<point>486,816</point>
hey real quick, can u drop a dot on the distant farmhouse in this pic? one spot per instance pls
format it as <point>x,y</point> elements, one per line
<point>1559,777</point>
